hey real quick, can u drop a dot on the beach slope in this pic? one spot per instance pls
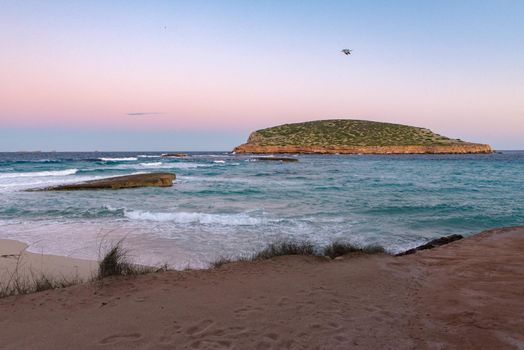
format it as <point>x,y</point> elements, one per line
<point>463,295</point>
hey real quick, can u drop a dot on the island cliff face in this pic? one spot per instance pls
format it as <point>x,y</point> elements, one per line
<point>354,136</point>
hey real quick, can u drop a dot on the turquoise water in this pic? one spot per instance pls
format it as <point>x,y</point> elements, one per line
<point>224,204</point>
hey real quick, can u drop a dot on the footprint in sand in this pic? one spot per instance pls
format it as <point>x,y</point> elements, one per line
<point>243,312</point>
<point>283,301</point>
<point>169,333</point>
<point>263,345</point>
<point>272,336</point>
<point>119,338</point>
<point>199,327</point>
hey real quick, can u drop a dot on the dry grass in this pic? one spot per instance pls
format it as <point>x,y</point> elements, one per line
<point>116,262</point>
<point>19,283</point>
<point>281,248</point>
<point>338,248</point>
<point>304,248</point>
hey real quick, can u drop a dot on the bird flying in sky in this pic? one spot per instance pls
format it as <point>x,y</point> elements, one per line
<point>346,52</point>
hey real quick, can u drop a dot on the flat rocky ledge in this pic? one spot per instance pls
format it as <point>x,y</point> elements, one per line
<point>276,159</point>
<point>118,182</point>
<point>432,244</point>
<point>175,155</point>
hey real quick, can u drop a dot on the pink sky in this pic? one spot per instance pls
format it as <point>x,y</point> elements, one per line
<point>198,69</point>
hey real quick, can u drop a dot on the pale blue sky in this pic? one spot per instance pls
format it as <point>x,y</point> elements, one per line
<point>71,71</point>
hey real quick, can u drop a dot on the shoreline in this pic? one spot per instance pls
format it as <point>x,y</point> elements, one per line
<point>447,297</point>
<point>15,259</point>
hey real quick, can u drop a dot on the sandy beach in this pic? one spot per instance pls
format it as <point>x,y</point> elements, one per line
<point>16,260</point>
<point>464,295</point>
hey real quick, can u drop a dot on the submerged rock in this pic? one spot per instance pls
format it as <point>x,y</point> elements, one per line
<point>280,159</point>
<point>433,244</point>
<point>118,182</point>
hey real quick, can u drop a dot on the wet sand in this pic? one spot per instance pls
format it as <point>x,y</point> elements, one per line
<point>15,259</point>
<point>464,295</point>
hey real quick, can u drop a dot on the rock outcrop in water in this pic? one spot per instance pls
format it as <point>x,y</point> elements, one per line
<point>118,182</point>
<point>433,244</point>
<point>354,136</point>
<point>277,159</point>
<point>174,155</point>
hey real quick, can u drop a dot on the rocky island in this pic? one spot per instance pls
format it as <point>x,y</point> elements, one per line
<point>354,136</point>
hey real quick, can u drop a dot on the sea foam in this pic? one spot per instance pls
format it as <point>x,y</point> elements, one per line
<point>151,165</point>
<point>39,173</point>
<point>124,159</point>
<point>194,218</point>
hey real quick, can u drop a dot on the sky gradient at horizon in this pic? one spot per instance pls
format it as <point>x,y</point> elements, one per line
<point>102,75</point>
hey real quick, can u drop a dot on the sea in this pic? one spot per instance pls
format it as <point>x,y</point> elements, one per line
<point>227,205</point>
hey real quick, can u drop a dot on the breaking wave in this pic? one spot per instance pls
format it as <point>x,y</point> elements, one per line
<point>152,165</point>
<point>124,159</point>
<point>39,173</point>
<point>192,218</point>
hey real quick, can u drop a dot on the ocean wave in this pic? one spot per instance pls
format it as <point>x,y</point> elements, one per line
<point>219,161</point>
<point>145,165</point>
<point>188,165</point>
<point>124,159</point>
<point>40,173</point>
<point>177,165</point>
<point>151,165</point>
<point>30,161</point>
<point>148,156</point>
<point>194,218</point>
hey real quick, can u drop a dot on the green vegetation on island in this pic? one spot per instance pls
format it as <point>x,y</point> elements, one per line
<point>343,132</point>
<point>354,136</point>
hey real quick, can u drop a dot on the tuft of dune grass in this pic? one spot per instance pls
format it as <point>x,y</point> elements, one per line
<point>281,248</point>
<point>275,249</point>
<point>18,283</point>
<point>20,286</point>
<point>305,248</point>
<point>338,248</point>
<point>116,262</point>
<point>221,261</point>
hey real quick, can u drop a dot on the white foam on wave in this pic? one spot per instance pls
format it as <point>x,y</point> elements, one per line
<point>148,156</point>
<point>158,165</point>
<point>21,183</point>
<point>194,218</point>
<point>65,172</point>
<point>151,165</point>
<point>125,159</point>
<point>187,165</point>
<point>219,161</point>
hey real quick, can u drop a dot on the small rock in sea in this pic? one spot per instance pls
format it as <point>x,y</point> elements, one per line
<point>174,155</point>
<point>277,159</point>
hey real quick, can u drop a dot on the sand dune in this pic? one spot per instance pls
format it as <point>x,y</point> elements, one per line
<point>465,295</point>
